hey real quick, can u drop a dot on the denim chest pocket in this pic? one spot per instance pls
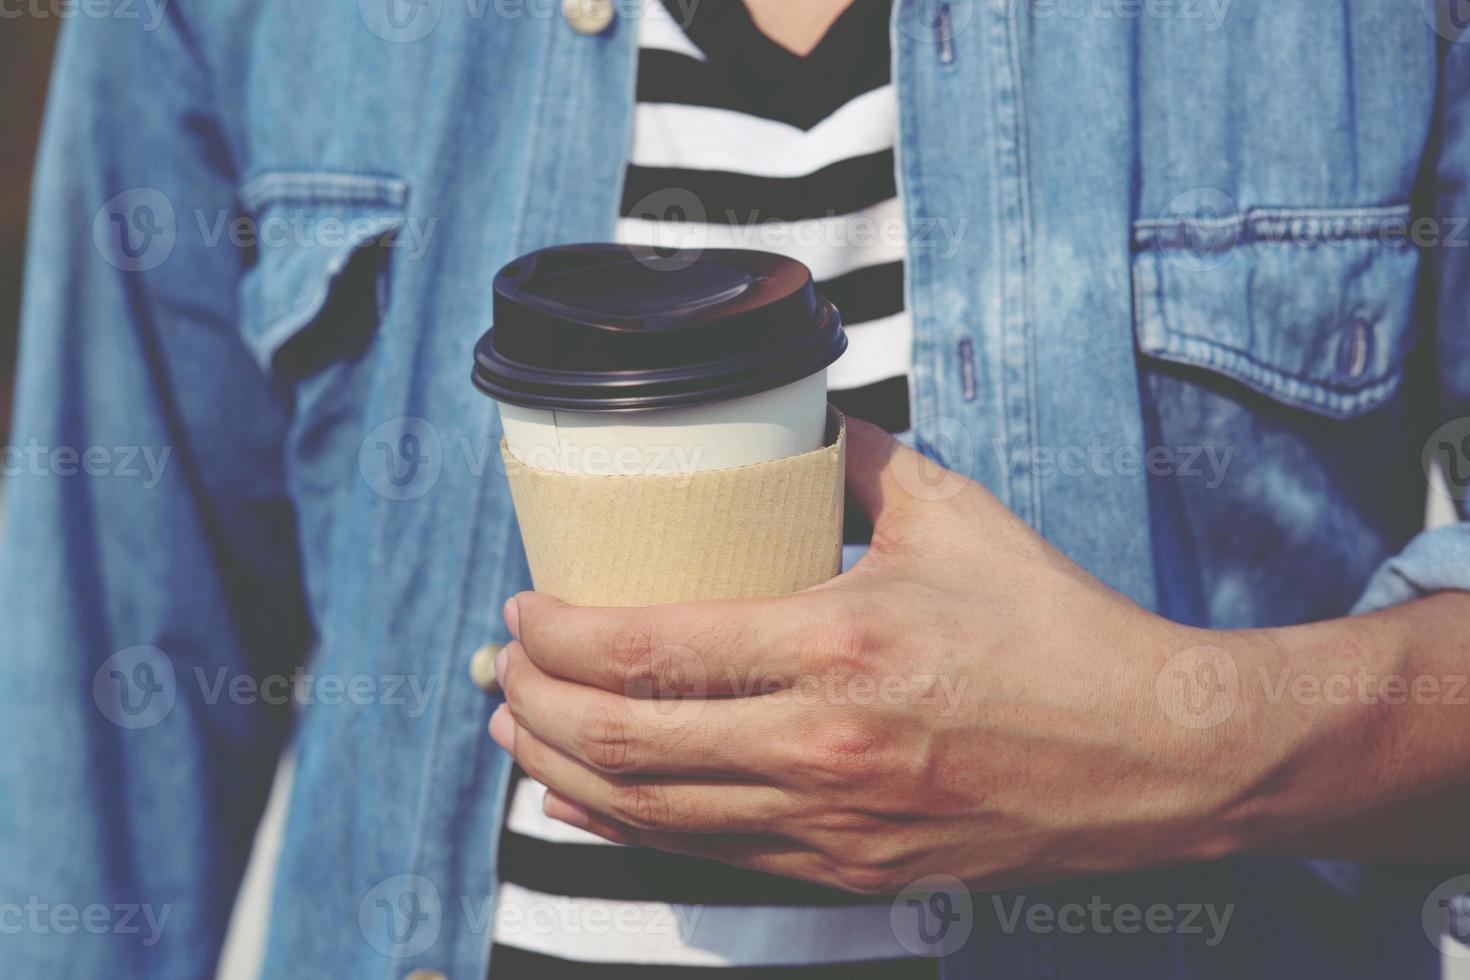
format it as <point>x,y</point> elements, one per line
<point>310,312</point>
<point>318,282</point>
<point>1312,308</point>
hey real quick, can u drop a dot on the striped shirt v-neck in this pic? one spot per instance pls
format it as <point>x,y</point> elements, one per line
<point>737,143</point>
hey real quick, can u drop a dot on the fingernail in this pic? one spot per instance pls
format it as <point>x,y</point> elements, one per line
<point>563,809</point>
<point>512,613</point>
<point>501,659</point>
<point>503,729</point>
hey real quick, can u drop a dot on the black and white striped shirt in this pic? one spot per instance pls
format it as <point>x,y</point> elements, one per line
<point>740,143</point>
<point>737,143</point>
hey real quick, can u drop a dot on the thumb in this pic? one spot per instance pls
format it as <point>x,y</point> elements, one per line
<point>887,479</point>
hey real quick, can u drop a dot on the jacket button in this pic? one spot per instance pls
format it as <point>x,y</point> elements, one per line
<point>588,16</point>
<point>482,667</point>
<point>425,975</point>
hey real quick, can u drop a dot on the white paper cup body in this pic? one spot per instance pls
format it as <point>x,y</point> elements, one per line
<point>768,425</point>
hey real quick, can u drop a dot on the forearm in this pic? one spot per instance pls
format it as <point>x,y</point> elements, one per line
<point>1352,738</point>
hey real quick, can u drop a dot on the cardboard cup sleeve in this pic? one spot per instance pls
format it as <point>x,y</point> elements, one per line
<point>748,532</point>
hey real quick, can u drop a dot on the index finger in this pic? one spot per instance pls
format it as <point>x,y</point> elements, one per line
<point>743,647</point>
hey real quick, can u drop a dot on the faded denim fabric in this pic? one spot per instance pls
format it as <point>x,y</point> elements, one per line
<point>1167,307</point>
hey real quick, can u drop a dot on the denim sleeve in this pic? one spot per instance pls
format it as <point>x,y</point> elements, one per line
<point>1439,559</point>
<point>147,559</point>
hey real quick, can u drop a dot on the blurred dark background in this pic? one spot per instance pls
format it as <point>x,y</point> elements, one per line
<point>26,44</point>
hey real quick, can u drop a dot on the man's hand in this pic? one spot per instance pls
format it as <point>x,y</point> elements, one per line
<point>965,701</point>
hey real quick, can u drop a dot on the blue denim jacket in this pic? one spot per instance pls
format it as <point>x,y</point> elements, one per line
<point>1168,306</point>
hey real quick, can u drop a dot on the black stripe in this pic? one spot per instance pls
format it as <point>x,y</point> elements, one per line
<point>671,78</point>
<point>637,874</point>
<point>744,199</point>
<point>869,293</point>
<point>510,963</point>
<point>851,59</point>
<point>884,403</point>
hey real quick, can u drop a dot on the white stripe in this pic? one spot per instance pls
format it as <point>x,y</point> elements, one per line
<point>657,29</point>
<point>655,933</point>
<point>876,350</point>
<point>701,138</point>
<point>525,816</point>
<point>829,247</point>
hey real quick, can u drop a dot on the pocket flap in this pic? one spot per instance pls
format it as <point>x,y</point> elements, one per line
<point>1312,308</point>
<point>307,229</point>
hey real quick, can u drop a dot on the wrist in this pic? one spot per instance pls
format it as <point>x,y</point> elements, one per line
<point>1340,739</point>
<point>1319,719</point>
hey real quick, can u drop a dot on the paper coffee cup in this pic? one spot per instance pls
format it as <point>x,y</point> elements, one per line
<point>667,435</point>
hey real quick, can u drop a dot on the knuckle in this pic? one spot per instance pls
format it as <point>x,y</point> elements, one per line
<point>646,806</point>
<point>646,664</point>
<point>847,753</point>
<point>863,879</point>
<point>880,866</point>
<point>606,742</point>
<point>847,641</point>
<point>630,651</point>
<point>844,821</point>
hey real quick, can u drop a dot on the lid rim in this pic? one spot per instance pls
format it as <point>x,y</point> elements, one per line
<point>594,394</point>
<point>646,402</point>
